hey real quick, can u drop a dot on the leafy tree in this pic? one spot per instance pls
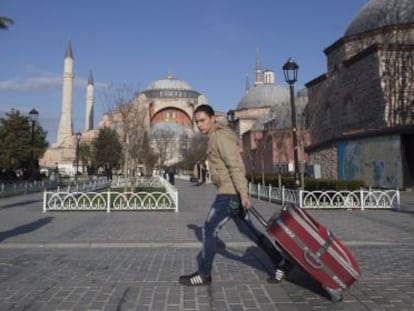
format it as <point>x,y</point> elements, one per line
<point>106,148</point>
<point>5,22</point>
<point>16,141</point>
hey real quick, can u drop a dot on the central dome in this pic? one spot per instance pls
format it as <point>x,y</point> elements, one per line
<point>265,95</point>
<point>381,13</point>
<point>169,83</point>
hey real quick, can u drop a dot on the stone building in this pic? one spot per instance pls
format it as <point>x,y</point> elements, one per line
<point>361,111</point>
<point>62,154</point>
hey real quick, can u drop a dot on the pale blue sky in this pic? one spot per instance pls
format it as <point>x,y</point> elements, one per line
<point>211,44</point>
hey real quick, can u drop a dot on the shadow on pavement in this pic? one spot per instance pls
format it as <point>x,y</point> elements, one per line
<point>301,278</point>
<point>19,204</point>
<point>26,228</point>
<point>249,257</point>
<point>253,257</point>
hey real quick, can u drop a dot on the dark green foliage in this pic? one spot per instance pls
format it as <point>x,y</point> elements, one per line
<point>106,149</point>
<point>310,183</point>
<point>5,22</point>
<point>16,141</point>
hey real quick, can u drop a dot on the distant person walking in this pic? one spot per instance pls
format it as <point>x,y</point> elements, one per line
<point>171,175</point>
<point>227,172</point>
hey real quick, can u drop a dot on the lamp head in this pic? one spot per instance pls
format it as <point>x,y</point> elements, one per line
<point>33,115</point>
<point>290,70</point>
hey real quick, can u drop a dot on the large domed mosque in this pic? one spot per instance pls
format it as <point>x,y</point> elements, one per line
<point>361,111</point>
<point>258,101</point>
<point>167,106</point>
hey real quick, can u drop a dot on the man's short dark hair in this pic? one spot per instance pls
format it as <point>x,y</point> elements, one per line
<point>205,108</point>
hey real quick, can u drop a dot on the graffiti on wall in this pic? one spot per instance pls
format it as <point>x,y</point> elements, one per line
<point>376,161</point>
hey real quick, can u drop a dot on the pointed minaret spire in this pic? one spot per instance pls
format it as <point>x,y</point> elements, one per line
<point>65,125</point>
<point>89,103</point>
<point>69,53</point>
<point>90,78</point>
<point>259,73</point>
<point>247,83</point>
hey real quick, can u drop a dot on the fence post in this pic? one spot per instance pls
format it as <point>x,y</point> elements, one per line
<point>258,191</point>
<point>44,201</point>
<point>398,199</point>
<point>176,200</point>
<point>108,202</point>
<point>361,198</point>
<point>270,193</point>
<point>300,198</point>
<point>283,195</point>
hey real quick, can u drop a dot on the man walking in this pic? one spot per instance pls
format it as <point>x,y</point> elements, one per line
<point>227,172</point>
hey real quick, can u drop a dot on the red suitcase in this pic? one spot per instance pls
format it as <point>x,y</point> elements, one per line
<point>314,248</point>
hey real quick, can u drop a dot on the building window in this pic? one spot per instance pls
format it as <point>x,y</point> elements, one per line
<point>281,168</point>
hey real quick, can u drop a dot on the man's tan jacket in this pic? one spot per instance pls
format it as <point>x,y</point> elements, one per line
<point>226,165</point>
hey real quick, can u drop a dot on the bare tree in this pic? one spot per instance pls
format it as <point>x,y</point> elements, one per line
<point>147,154</point>
<point>163,142</point>
<point>128,119</point>
<point>194,150</point>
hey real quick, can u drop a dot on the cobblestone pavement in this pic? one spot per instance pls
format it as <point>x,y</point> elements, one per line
<point>132,260</point>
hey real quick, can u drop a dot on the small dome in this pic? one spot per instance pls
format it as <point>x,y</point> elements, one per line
<point>265,95</point>
<point>169,83</point>
<point>380,13</point>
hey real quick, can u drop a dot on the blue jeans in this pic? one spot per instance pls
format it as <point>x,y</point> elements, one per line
<point>224,208</point>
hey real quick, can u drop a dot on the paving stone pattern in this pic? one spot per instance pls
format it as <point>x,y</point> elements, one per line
<point>132,260</point>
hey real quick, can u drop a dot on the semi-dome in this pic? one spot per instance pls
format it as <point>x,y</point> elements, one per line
<point>167,129</point>
<point>265,95</point>
<point>170,83</point>
<point>380,13</point>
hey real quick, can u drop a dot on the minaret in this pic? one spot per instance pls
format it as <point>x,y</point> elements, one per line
<point>65,125</point>
<point>259,73</point>
<point>89,103</point>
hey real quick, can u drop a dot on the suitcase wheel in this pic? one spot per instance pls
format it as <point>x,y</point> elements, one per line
<point>336,295</point>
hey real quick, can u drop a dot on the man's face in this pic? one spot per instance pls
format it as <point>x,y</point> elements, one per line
<point>204,122</point>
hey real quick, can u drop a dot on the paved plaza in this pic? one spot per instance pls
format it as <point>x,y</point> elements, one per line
<point>132,260</point>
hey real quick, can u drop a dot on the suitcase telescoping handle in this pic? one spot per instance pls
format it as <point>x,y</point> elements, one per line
<point>257,215</point>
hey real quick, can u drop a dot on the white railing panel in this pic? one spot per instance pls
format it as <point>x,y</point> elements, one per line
<point>359,199</point>
<point>109,201</point>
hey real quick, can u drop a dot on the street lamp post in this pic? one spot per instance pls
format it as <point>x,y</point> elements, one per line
<point>33,116</point>
<point>78,138</point>
<point>290,70</point>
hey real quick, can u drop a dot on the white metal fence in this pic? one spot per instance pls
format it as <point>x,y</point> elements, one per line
<point>10,189</point>
<point>115,201</point>
<point>358,199</point>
